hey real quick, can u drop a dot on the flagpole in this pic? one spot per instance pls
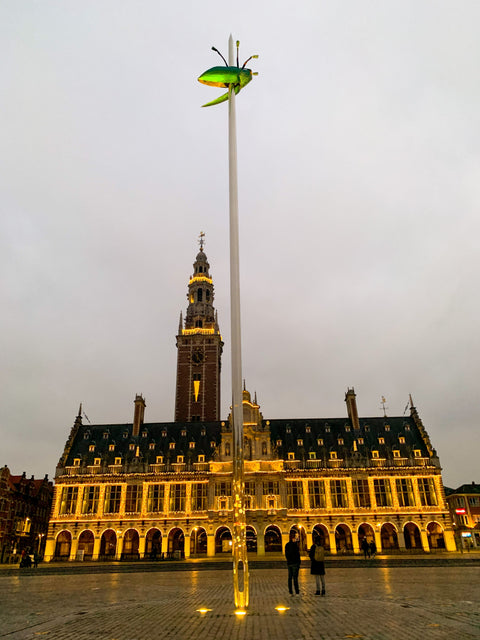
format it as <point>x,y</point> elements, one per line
<point>240,561</point>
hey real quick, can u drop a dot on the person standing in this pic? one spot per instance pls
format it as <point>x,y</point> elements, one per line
<point>292,555</point>
<point>366,548</point>
<point>373,548</point>
<point>317,569</point>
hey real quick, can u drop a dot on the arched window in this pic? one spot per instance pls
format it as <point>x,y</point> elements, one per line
<point>199,295</point>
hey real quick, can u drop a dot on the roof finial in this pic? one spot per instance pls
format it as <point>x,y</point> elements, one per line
<point>201,240</point>
<point>244,384</point>
<point>384,402</point>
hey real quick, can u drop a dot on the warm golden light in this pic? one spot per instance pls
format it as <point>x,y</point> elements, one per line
<point>281,608</point>
<point>203,610</point>
<point>240,612</point>
<point>200,279</point>
<point>197,330</point>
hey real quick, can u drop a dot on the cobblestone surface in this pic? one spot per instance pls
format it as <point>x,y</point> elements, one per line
<point>370,604</point>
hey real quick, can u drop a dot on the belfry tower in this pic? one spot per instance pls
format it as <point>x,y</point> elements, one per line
<point>200,346</point>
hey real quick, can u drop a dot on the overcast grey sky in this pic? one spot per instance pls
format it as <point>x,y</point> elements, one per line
<point>359,179</point>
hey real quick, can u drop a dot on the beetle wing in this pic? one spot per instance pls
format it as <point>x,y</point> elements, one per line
<point>222,98</point>
<point>220,76</point>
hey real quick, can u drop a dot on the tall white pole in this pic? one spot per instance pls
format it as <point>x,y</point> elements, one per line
<point>240,561</point>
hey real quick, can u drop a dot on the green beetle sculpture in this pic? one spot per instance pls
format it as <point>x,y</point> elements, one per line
<point>226,77</point>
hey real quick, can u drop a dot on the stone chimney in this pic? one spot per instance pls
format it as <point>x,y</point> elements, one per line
<point>138,415</point>
<point>350,399</point>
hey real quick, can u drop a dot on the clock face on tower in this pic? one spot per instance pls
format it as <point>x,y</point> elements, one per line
<point>198,356</point>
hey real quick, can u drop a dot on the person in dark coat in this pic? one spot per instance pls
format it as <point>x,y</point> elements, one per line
<point>292,555</point>
<point>317,555</point>
<point>365,548</point>
<point>373,548</point>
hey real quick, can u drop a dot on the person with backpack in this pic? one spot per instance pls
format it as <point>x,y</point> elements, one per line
<point>317,558</point>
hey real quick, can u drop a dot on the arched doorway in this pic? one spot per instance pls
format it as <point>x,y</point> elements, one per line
<point>365,532</point>
<point>413,540</point>
<point>301,536</point>
<point>176,544</point>
<point>389,537</point>
<point>223,540</point>
<point>63,545</point>
<point>320,531</point>
<point>131,543</point>
<point>343,539</point>
<point>436,540</point>
<point>273,539</point>
<point>108,545</point>
<point>251,539</point>
<point>198,541</point>
<point>85,544</point>
<point>153,544</point>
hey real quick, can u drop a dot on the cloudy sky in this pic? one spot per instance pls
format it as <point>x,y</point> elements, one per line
<point>359,179</point>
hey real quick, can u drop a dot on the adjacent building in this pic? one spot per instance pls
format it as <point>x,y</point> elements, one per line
<point>164,489</point>
<point>464,505</point>
<point>25,505</point>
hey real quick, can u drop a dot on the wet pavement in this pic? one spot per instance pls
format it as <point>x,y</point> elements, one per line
<point>363,601</point>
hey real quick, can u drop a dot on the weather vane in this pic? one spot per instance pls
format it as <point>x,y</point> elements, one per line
<point>201,240</point>
<point>227,76</point>
<point>384,402</point>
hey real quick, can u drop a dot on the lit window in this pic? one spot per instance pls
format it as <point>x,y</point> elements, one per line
<point>131,447</point>
<point>144,434</point>
<point>192,445</point>
<point>279,443</point>
<point>212,444</point>
<point>151,446</point>
<point>347,428</point>
<point>407,427</point>
<point>340,441</point>
<point>118,461</point>
<point>320,442</point>
<point>91,447</point>
<point>203,432</point>
<point>396,453</point>
<point>172,445</point>
<point>381,441</point>
<point>300,442</point>
<point>164,434</point>
<point>360,441</point>
<point>291,455</point>
<point>308,429</point>
<point>125,434</point>
<point>97,462</point>
<point>288,430</point>
<point>105,435</point>
<point>375,454</point>
<point>159,459</point>
<point>183,433</point>
<point>327,429</point>
<point>312,455</point>
<point>417,453</point>
<point>201,458</point>
<point>387,427</point>
<point>111,447</point>
<point>333,455</point>
<point>179,459</point>
<point>76,462</point>
<point>401,440</point>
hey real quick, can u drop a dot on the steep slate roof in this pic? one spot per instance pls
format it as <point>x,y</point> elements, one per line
<point>466,488</point>
<point>333,430</point>
<point>160,434</point>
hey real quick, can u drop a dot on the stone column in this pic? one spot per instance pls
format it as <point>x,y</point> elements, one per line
<point>73,549</point>
<point>260,542</point>
<point>424,537</point>
<point>186,543</point>
<point>164,543</point>
<point>355,542</point>
<point>141,545</point>
<point>333,543</point>
<point>118,550</point>
<point>378,539</point>
<point>96,547</point>
<point>401,540</point>
<point>49,549</point>
<point>449,538</point>
<point>210,545</point>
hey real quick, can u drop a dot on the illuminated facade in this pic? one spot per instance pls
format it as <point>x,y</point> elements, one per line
<point>464,505</point>
<point>151,490</point>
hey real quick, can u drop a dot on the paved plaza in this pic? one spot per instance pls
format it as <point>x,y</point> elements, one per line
<point>362,602</point>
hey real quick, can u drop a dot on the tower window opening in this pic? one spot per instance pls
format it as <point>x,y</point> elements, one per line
<point>200,295</point>
<point>207,295</point>
<point>199,323</point>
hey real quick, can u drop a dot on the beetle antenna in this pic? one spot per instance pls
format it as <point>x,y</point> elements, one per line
<point>215,49</point>
<point>238,45</point>
<point>255,56</point>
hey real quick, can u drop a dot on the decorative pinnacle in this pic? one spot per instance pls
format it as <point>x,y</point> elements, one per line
<point>201,240</point>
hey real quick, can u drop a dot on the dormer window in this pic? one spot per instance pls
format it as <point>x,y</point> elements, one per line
<point>340,441</point>
<point>125,434</point>
<point>367,428</point>
<point>417,453</point>
<point>327,429</point>
<point>164,433</point>
<point>320,442</point>
<point>407,427</point>
<point>333,455</point>
<point>291,455</point>
<point>151,446</point>
<point>91,447</point>
<point>144,434</point>
<point>360,441</point>
<point>97,462</point>
<point>387,427</point>
<point>401,440</point>
<point>300,442</point>
<point>279,443</point>
<point>396,453</point>
<point>347,428</point>
<point>76,462</point>
<point>288,430</point>
<point>308,429</point>
<point>191,445</point>
<point>183,433</point>
<point>105,435</point>
<point>375,454</point>
<point>179,459</point>
<point>118,461</point>
<point>172,445</point>
<point>201,458</point>
<point>131,447</point>
<point>203,432</point>
<point>212,444</point>
<point>381,441</point>
<point>111,447</point>
<point>312,455</point>
<point>86,435</point>
<point>159,459</point>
